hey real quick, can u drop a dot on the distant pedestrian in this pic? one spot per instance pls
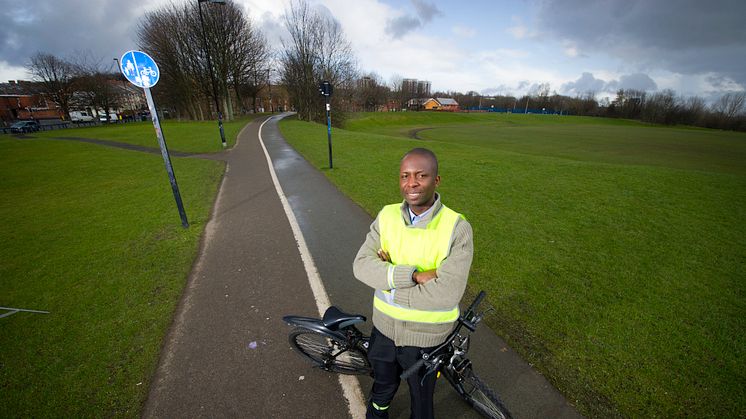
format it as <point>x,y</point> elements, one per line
<point>417,257</point>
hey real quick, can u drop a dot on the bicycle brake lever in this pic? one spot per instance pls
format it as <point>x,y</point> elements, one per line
<point>431,368</point>
<point>469,325</point>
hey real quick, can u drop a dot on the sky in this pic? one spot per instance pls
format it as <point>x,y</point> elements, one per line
<point>491,47</point>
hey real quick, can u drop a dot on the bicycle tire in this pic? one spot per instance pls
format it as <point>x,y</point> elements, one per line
<point>329,353</point>
<point>477,394</point>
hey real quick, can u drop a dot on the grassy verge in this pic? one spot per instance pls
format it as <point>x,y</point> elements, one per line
<point>186,136</point>
<point>92,235</point>
<point>612,251</point>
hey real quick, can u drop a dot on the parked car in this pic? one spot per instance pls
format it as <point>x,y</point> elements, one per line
<point>24,126</point>
<point>80,116</point>
<point>112,118</point>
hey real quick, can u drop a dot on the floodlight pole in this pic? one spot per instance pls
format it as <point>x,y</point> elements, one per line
<point>209,65</point>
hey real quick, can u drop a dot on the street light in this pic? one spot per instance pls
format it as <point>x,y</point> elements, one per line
<point>209,65</point>
<point>269,85</point>
<point>125,93</point>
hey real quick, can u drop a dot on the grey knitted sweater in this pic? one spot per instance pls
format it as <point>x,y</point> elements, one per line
<point>441,293</point>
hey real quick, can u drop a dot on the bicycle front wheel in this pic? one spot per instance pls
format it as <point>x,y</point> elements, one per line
<point>478,394</point>
<point>329,353</point>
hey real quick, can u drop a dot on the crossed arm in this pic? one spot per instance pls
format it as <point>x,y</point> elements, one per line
<point>428,290</point>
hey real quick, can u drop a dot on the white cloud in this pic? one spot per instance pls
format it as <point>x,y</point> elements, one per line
<point>11,72</point>
<point>571,52</point>
<point>519,30</point>
<point>464,32</point>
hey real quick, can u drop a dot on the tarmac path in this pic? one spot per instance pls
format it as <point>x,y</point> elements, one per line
<point>227,354</point>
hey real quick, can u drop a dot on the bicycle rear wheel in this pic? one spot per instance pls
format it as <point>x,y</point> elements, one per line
<point>329,353</point>
<point>478,394</point>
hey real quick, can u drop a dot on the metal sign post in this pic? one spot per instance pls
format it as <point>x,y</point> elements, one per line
<point>142,71</point>
<point>326,90</point>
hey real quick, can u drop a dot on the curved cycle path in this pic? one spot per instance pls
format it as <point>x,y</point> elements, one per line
<point>226,354</point>
<point>334,227</point>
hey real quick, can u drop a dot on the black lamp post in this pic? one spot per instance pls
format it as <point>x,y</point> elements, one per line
<point>209,65</point>
<point>125,93</point>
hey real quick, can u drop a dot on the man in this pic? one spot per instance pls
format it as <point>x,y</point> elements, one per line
<point>417,257</point>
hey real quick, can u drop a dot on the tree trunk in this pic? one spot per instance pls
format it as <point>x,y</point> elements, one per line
<point>226,110</point>
<point>229,106</point>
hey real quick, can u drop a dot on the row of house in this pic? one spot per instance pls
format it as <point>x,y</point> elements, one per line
<point>18,102</point>
<point>22,100</point>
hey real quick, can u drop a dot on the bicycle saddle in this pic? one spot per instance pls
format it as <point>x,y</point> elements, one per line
<point>335,319</point>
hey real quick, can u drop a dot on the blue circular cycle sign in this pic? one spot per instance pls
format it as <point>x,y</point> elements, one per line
<point>140,69</point>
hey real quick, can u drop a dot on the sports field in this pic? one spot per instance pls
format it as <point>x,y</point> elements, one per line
<point>612,251</point>
<point>91,234</point>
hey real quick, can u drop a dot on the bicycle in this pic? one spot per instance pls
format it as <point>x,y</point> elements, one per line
<point>334,344</point>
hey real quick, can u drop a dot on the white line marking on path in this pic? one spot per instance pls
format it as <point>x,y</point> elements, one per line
<point>350,385</point>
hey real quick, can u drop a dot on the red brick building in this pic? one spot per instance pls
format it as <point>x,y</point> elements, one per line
<point>19,102</point>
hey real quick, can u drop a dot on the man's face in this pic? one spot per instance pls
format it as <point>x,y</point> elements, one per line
<point>417,182</point>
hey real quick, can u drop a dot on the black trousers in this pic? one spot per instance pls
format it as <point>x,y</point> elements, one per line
<point>388,362</point>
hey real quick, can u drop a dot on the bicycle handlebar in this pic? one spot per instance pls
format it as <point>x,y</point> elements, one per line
<point>468,323</point>
<point>413,369</point>
<point>476,302</point>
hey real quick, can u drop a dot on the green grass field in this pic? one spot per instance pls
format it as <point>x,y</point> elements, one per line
<point>613,251</point>
<point>92,235</point>
<point>186,136</point>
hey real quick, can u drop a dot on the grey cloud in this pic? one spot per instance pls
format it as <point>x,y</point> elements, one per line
<point>637,81</point>
<point>106,29</point>
<point>686,36</point>
<point>588,83</point>
<point>426,11</point>
<point>272,29</point>
<point>718,82</point>
<point>400,26</point>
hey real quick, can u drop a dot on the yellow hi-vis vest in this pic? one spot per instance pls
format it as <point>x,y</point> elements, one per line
<point>424,248</point>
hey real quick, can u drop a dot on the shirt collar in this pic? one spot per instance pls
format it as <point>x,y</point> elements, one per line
<point>414,218</point>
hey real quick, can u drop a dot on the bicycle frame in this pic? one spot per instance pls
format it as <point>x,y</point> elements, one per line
<point>449,358</point>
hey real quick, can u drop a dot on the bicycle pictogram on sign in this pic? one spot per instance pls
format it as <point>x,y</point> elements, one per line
<point>140,69</point>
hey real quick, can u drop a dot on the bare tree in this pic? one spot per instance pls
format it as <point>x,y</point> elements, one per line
<point>693,110</point>
<point>730,104</point>
<point>316,50</point>
<point>96,84</point>
<point>662,108</point>
<point>398,94</point>
<point>229,35</point>
<point>168,34</point>
<point>255,74</point>
<point>173,35</point>
<point>56,77</point>
<point>370,93</point>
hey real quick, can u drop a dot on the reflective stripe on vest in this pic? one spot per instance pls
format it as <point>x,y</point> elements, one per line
<point>383,301</point>
<point>424,248</point>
